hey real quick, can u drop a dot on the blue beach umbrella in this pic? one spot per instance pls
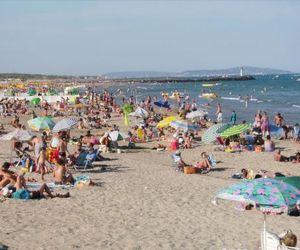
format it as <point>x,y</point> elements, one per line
<point>162,104</point>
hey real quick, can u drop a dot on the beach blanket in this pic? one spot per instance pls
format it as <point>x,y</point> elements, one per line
<point>78,180</point>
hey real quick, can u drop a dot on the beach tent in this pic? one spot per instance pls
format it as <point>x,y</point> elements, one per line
<point>213,132</point>
<point>196,114</point>
<point>65,124</point>
<point>235,130</point>
<point>139,112</point>
<point>184,125</point>
<point>166,122</point>
<point>41,123</point>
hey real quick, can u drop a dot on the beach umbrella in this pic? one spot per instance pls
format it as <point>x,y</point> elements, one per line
<point>166,122</point>
<point>18,134</point>
<point>127,108</point>
<point>265,194</point>
<point>117,136</point>
<point>41,123</point>
<point>35,101</point>
<point>184,125</point>
<point>162,104</point>
<point>235,130</point>
<point>195,114</point>
<point>139,112</point>
<point>65,124</point>
<point>291,180</point>
<point>214,131</point>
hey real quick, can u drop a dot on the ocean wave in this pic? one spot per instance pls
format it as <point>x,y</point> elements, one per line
<point>296,106</point>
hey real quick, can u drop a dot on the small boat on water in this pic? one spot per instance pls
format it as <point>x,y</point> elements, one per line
<point>210,84</point>
<point>209,95</point>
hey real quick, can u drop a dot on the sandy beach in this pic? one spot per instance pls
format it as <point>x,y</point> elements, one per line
<point>141,202</point>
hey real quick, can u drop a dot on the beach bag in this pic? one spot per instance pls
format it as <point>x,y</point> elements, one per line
<point>289,239</point>
<point>21,194</point>
<point>189,170</point>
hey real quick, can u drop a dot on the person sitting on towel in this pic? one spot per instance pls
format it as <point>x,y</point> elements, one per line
<point>60,174</point>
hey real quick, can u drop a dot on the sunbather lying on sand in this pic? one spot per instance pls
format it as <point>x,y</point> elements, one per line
<point>279,157</point>
<point>20,191</point>
<point>252,174</point>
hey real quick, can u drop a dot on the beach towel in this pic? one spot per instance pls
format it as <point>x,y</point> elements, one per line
<point>21,194</point>
<point>51,185</point>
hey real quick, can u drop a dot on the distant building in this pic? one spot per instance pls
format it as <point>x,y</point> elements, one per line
<point>241,71</point>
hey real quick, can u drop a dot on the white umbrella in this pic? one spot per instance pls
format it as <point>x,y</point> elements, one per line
<point>184,125</point>
<point>65,124</point>
<point>117,136</point>
<point>195,114</point>
<point>18,134</point>
<point>139,112</point>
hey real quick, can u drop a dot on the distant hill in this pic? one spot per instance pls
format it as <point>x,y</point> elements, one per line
<point>197,73</point>
<point>153,74</point>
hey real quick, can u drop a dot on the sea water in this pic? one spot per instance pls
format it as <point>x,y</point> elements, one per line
<point>269,93</point>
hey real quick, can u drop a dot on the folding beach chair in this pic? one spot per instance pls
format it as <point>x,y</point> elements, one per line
<point>86,159</point>
<point>271,241</point>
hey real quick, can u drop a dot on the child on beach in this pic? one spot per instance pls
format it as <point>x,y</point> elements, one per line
<point>41,163</point>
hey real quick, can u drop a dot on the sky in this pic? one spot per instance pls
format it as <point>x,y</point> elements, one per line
<point>95,37</point>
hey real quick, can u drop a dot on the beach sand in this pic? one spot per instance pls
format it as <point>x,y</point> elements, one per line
<point>141,202</point>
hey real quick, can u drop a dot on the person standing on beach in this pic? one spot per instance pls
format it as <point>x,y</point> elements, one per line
<point>219,113</point>
<point>265,125</point>
<point>233,117</point>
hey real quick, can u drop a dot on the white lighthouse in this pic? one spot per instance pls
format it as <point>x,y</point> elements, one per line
<point>241,71</point>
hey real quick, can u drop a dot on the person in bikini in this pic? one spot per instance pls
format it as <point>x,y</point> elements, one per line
<point>279,157</point>
<point>60,174</point>
<point>41,161</point>
<point>204,163</point>
<point>7,176</point>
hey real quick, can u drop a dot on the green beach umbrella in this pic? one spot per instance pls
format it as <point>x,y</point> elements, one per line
<point>41,123</point>
<point>35,101</point>
<point>292,180</point>
<point>235,130</point>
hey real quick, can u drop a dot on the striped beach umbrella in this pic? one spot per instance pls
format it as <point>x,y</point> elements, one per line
<point>65,124</point>
<point>235,130</point>
<point>214,131</point>
<point>41,123</point>
<point>184,125</point>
